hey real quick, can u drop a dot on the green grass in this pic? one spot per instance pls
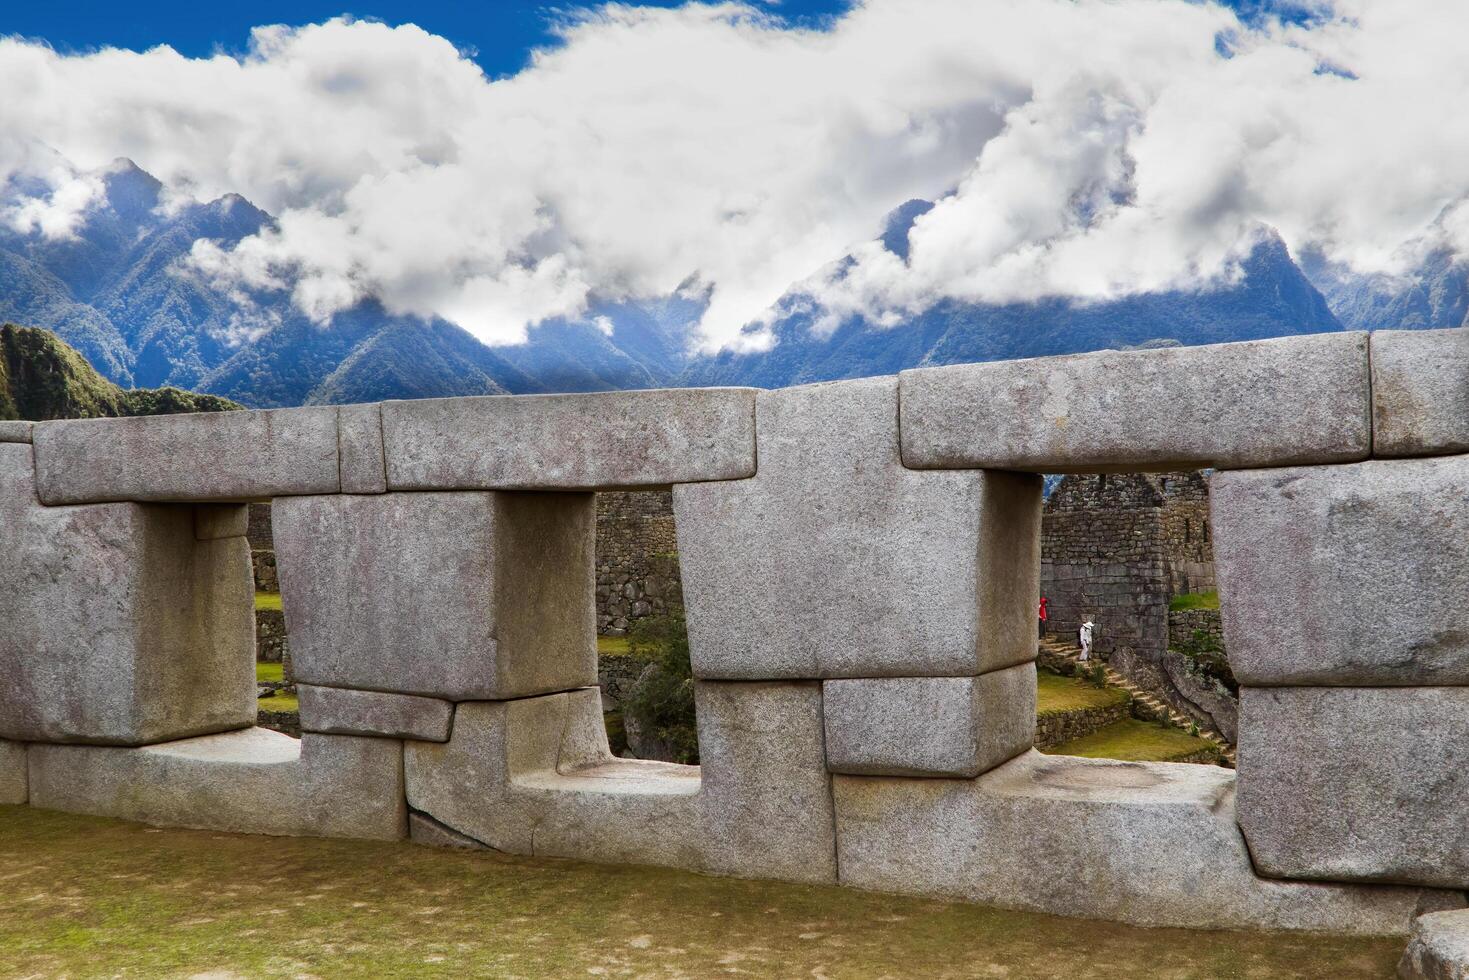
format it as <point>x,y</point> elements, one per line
<point>279,702</point>
<point>268,600</point>
<point>269,673</point>
<point>612,646</point>
<point>1133,740</point>
<point>86,897</point>
<point>1057,693</point>
<point>1194,600</point>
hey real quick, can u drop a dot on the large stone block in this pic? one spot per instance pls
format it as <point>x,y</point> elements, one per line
<point>1356,784</point>
<point>1152,844</point>
<point>836,561</point>
<point>13,783</point>
<point>1420,392</point>
<point>602,441</point>
<point>535,776</point>
<point>254,781</point>
<point>15,431</point>
<point>1260,403</point>
<point>430,833</point>
<point>338,711</point>
<point>360,443</point>
<point>214,521</point>
<point>1438,948</point>
<point>209,456</point>
<point>452,595</point>
<point>929,726</point>
<point>116,624</point>
<point>1345,575</point>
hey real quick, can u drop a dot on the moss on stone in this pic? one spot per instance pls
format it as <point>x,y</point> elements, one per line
<point>91,897</point>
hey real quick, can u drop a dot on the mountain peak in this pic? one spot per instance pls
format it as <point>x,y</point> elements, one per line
<point>132,192</point>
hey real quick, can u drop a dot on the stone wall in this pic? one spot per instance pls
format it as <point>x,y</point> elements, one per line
<point>1184,623</point>
<point>637,559</point>
<point>1055,727</point>
<point>862,607</point>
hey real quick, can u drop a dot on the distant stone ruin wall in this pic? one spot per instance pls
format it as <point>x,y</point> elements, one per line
<point>637,559</point>
<point>1184,624</point>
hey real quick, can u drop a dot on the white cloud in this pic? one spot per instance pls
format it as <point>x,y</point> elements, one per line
<point>1089,148</point>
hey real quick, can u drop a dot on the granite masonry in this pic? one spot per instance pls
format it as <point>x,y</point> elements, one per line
<point>860,593</point>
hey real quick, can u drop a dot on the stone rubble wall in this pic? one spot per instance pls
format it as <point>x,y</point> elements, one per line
<point>1056,727</point>
<point>1183,624</point>
<point>860,564</point>
<point>637,559</point>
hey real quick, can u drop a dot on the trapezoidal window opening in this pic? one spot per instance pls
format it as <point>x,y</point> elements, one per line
<point>643,664</point>
<point>277,705</point>
<point>1131,661</point>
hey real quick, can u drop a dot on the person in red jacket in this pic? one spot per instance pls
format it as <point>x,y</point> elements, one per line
<point>1044,614</point>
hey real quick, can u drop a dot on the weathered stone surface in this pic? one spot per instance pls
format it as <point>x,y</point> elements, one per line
<point>929,726</point>
<point>1438,948</point>
<point>430,833</point>
<point>15,431</point>
<point>116,624</point>
<point>452,595</point>
<point>214,521</point>
<point>1345,575</point>
<point>1153,844</point>
<point>534,776</point>
<point>209,456</point>
<point>1356,784</point>
<point>360,443</point>
<point>836,561</point>
<point>338,711</point>
<point>1260,403</point>
<point>13,784</point>
<point>253,781</point>
<point>1420,392</point>
<point>607,440</point>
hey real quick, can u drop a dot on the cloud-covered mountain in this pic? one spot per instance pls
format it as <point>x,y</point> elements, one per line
<point>1272,298</point>
<point>122,291</point>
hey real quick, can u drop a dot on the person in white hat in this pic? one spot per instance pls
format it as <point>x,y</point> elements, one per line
<point>1085,635</point>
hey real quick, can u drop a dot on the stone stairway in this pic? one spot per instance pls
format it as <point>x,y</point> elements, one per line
<point>1146,705</point>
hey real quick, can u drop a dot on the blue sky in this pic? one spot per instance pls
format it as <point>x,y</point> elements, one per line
<point>499,32</point>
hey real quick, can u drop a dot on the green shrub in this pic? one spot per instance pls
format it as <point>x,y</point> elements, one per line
<point>1095,674</point>
<point>663,701</point>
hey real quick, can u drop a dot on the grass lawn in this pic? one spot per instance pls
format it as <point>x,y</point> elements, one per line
<point>279,702</point>
<point>268,600</point>
<point>86,897</point>
<point>1134,740</point>
<point>1194,600</point>
<point>269,673</point>
<point>612,646</point>
<point>1057,693</point>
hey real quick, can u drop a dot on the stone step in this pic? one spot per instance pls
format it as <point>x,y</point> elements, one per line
<point>1159,709</point>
